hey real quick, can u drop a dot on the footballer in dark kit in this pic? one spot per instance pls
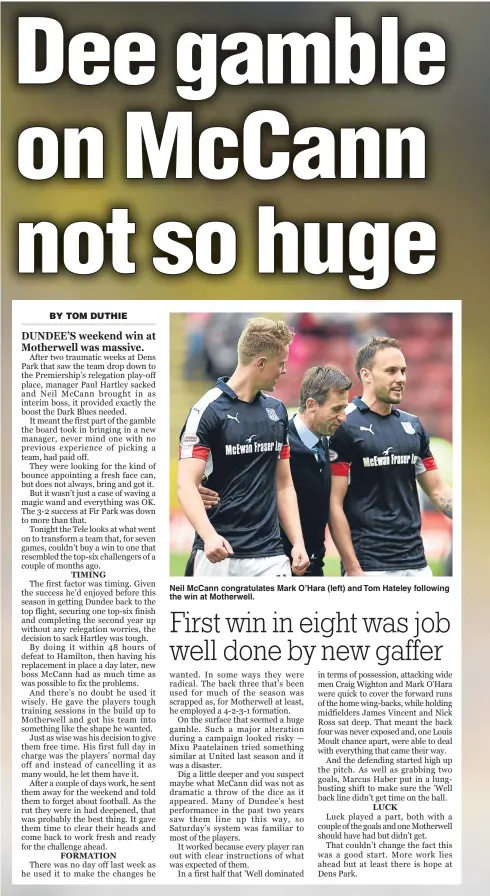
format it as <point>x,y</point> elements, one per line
<point>377,458</point>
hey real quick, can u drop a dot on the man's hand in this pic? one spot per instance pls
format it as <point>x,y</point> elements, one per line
<point>299,560</point>
<point>209,498</point>
<point>354,571</point>
<point>217,548</point>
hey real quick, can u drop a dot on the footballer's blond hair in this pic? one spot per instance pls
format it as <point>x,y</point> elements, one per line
<point>263,337</point>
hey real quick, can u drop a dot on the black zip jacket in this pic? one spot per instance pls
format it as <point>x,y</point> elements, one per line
<point>312,484</point>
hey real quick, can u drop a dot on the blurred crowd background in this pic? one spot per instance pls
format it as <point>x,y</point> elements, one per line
<point>203,347</point>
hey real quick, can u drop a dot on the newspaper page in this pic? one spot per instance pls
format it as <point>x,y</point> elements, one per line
<point>237,239</point>
<point>173,725</point>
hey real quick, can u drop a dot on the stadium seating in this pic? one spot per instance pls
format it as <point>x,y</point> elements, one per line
<point>426,341</point>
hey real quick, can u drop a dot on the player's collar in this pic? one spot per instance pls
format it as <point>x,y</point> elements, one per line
<point>362,406</point>
<point>222,383</point>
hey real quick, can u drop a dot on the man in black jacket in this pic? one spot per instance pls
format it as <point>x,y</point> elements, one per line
<point>324,396</point>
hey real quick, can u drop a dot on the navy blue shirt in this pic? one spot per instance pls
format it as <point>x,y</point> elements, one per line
<point>241,443</point>
<point>382,455</point>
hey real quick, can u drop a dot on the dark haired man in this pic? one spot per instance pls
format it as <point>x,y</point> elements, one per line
<point>378,455</point>
<point>324,396</point>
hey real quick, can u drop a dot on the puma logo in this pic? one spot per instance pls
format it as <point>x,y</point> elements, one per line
<point>367,429</point>
<point>233,418</point>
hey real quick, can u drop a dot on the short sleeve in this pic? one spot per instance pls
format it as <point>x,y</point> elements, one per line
<point>426,459</point>
<point>340,452</point>
<point>198,435</point>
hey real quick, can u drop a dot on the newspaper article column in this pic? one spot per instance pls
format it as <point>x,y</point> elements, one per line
<point>86,459</point>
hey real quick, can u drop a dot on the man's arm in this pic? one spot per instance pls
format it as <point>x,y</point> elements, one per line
<point>432,483</point>
<point>339,527</point>
<point>190,474</point>
<point>287,505</point>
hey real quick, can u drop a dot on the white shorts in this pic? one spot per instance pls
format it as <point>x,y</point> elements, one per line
<point>426,571</point>
<point>242,566</point>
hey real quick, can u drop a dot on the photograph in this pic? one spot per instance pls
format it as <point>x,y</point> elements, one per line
<point>311,444</point>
